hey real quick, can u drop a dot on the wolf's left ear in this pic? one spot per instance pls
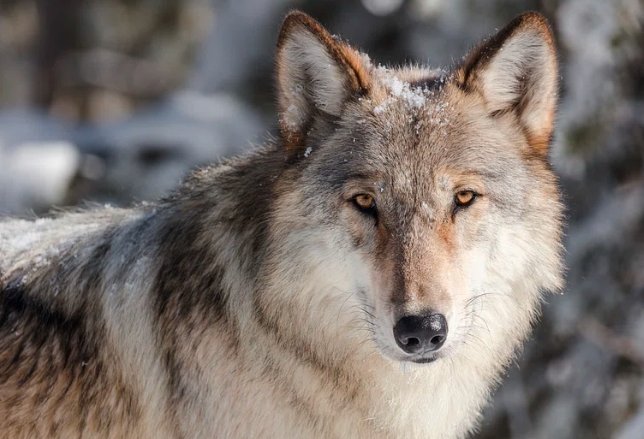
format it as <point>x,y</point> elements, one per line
<point>316,75</point>
<point>516,71</point>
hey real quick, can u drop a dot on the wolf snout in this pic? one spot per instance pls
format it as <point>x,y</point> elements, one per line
<point>421,333</point>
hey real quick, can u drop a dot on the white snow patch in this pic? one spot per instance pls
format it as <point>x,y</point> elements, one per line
<point>381,108</point>
<point>382,7</point>
<point>292,117</point>
<point>434,324</point>
<point>36,173</point>
<point>414,97</point>
<point>28,245</point>
<point>308,151</point>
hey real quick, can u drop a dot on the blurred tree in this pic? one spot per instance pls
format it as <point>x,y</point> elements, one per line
<point>100,59</point>
<point>60,33</point>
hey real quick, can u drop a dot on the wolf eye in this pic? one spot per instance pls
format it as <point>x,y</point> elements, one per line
<point>365,203</point>
<point>464,198</point>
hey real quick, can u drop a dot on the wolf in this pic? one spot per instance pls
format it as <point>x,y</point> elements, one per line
<point>371,273</point>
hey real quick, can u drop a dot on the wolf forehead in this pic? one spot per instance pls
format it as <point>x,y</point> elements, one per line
<point>406,134</point>
<point>408,125</point>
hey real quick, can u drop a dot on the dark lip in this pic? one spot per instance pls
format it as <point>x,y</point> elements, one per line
<point>424,360</point>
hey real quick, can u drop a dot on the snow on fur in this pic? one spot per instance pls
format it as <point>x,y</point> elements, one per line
<point>411,97</point>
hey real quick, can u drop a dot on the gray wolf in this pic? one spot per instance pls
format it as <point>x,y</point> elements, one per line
<point>369,274</point>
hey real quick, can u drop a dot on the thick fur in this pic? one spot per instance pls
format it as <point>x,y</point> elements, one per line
<point>258,301</point>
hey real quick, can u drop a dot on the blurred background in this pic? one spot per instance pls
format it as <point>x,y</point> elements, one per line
<point>113,101</point>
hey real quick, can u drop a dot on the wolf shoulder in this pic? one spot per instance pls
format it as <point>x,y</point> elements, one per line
<point>33,243</point>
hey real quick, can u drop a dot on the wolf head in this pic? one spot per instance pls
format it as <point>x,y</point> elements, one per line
<point>418,203</point>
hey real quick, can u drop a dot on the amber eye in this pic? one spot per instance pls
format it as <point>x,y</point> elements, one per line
<point>365,204</point>
<point>464,198</point>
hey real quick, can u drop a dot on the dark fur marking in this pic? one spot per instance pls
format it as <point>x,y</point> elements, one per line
<point>253,205</point>
<point>187,286</point>
<point>303,352</point>
<point>29,313</point>
<point>54,350</point>
<point>188,294</point>
<point>431,83</point>
<point>189,298</point>
<point>399,295</point>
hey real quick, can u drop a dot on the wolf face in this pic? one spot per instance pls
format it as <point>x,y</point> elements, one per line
<point>420,201</point>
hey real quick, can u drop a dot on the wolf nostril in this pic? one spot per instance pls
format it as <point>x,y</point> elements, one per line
<point>421,333</point>
<point>438,339</point>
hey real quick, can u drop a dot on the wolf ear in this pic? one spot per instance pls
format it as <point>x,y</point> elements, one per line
<point>316,75</point>
<point>516,71</point>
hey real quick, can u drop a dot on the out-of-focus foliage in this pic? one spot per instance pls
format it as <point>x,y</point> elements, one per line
<point>113,100</point>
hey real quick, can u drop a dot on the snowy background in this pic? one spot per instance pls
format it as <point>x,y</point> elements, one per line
<point>112,101</point>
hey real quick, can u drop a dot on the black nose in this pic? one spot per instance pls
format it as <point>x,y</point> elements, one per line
<point>421,333</point>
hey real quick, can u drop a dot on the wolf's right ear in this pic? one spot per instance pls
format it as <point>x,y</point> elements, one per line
<point>515,71</point>
<point>316,75</point>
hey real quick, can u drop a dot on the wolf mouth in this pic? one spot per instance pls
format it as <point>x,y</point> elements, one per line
<point>425,360</point>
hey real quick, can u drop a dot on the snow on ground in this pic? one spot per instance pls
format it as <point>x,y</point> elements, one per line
<point>36,174</point>
<point>37,161</point>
